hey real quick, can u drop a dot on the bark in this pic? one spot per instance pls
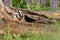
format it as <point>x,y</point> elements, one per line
<point>38,2</point>
<point>53,4</point>
<point>29,2</point>
<point>43,3</point>
<point>8,2</point>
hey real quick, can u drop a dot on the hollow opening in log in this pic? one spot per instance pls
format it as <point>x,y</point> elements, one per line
<point>27,19</point>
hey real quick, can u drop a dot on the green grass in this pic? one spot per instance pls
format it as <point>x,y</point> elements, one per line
<point>32,36</point>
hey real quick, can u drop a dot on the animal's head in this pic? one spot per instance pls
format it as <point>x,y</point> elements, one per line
<point>14,12</point>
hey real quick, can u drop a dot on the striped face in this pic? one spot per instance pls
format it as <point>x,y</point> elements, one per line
<point>15,13</point>
<point>18,15</point>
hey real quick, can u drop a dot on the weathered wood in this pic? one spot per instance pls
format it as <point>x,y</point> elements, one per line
<point>33,15</point>
<point>27,22</point>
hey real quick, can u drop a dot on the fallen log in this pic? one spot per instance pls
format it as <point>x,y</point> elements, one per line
<point>47,14</point>
<point>26,23</point>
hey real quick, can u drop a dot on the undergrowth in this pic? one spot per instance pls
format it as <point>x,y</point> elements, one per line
<point>31,36</point>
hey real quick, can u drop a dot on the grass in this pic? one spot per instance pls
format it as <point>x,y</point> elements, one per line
<point>32,36</point>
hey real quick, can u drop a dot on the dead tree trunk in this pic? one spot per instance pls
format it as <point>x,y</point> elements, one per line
<point>8,2</point>
<point>29,17</point>
<point>43,3</point>
<point>53,4</point>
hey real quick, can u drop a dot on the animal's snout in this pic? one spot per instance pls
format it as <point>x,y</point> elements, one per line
<point>18,15</point>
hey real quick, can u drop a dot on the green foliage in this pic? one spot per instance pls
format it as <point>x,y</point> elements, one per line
<point>33,6</point>
<point>21,4</point>
<point>48,3</point>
